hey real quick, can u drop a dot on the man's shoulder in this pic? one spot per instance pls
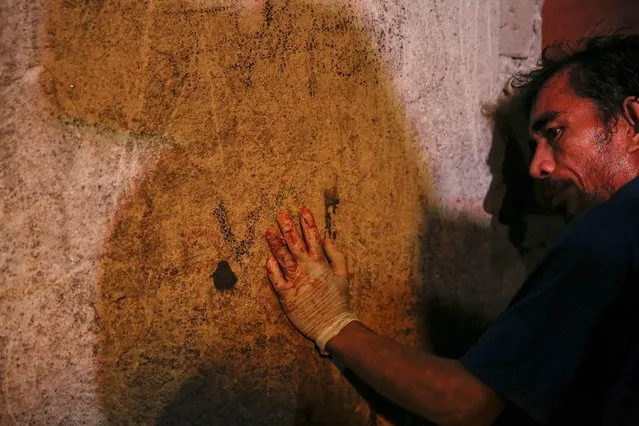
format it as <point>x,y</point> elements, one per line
<point>615,222</point>
<point>606,236</point>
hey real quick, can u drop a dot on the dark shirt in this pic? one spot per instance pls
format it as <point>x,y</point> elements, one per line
<point>566,350</point>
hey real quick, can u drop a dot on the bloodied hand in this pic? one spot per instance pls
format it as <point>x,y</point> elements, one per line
<point>310,277</point>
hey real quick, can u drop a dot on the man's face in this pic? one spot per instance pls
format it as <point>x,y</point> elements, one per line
<point>581,161</point>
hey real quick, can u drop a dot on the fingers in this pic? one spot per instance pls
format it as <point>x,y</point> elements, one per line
<point>275,275</point>
<point>280,251</point>
<point>292,237</point>
<point>311,234</point>
<point>337,259</point>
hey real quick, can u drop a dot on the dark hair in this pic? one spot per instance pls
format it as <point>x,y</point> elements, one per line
<point>604,69</point>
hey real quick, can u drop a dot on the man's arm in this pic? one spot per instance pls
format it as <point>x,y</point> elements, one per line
<point>310,278</point>
<point>438,389</point>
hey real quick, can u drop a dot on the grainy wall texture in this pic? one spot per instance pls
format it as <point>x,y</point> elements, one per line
<point>146,145</point>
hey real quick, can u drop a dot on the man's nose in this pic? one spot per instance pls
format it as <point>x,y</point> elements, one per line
<point>543,162</point>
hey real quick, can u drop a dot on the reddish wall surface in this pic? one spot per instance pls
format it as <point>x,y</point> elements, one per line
<point>574,19</point>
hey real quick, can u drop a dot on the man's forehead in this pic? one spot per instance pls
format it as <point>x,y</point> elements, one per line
<point>554,94</point>
<point>555,98</point>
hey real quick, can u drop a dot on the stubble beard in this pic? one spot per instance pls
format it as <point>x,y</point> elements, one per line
<point>575,200</point>
<point>570,200</point>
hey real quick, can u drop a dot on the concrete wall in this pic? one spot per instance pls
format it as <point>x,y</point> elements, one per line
<point>145,146</point>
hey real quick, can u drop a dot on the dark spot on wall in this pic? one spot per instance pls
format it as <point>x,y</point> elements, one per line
<point>331,201</point>
<point>223,277</point>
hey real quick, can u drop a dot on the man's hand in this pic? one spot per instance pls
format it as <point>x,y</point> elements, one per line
<point>310,278</point>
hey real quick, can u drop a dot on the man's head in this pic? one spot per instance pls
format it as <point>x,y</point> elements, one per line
<point>584,120</point>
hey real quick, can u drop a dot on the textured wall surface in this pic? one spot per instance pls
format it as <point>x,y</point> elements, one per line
<point>144,148</point>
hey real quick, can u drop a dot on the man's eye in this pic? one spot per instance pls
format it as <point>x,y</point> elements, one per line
<point>552,133</point>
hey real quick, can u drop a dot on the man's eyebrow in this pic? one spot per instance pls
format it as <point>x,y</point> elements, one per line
<point>541,122</point>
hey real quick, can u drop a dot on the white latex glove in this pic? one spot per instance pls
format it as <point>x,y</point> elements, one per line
<point>312,291</point>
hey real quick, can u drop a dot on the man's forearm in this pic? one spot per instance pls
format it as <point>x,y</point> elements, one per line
<point>310,277</point>
<point>439,389</point>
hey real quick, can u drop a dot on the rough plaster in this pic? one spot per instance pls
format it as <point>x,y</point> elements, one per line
<point>143,143</point>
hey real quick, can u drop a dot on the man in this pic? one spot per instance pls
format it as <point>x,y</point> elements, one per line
<point>566,350</point>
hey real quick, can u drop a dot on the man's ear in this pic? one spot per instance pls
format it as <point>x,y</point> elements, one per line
<point>631,114</point>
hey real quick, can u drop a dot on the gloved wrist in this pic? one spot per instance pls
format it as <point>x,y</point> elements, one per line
<point>333,330</point>
<point>319,310</point>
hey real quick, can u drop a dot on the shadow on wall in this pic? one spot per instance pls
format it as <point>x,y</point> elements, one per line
<point>515,199</point>
<point>263,108</point>
<point>477,262</point>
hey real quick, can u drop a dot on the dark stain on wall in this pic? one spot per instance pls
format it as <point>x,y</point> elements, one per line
<point>223,277</point>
